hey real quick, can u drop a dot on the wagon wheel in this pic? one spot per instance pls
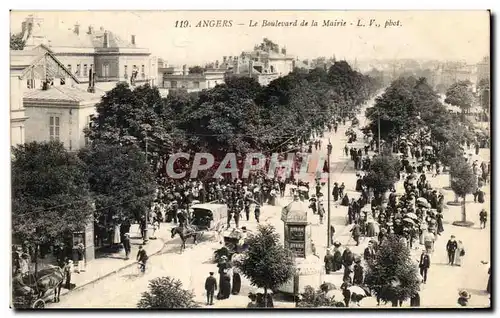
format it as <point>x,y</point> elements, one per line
<point>38,304</point>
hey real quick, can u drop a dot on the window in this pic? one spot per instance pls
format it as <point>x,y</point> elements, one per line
<point>69,68</point>
<point>105,70</point>
<point>85,70</point>
<point>78,69</point>
<point>54,128</point>
<point>89,125</point>
<point>30,84</point>
<point>173,84</point>
<point>125,73</point>
<point>196,84</point>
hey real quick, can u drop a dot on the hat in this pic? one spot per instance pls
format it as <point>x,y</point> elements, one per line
<point>211,273</point>
<point>337,244</point>
<point>464,294</point>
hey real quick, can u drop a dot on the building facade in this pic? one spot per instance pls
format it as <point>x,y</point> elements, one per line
<point>112,58</point>
<point>47,100</point>
<point>180,79</point>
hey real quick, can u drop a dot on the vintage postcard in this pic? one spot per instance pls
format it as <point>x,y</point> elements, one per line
<point>250,159</point>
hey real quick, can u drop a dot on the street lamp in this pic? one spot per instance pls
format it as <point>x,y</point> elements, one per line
<point>146,128</point>
<point>329,239</point>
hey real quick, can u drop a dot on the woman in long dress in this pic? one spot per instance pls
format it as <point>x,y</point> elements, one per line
<point>236,282</point>
<point>459,253</point>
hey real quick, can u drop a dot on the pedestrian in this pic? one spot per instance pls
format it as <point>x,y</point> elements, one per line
<point>356,232</point>
<point>236,282</point>
<point>79,257</point>
<point>463,298</point>
<point>424,264</point>
<point>369,253</point>
<point>143,225</point>
<point>142,258</point>
<point>337,257</point>
<point>415,300</point>
<point>126,245</point>
<point>483,218</point>
<point>226,285</point>
<point>488,287</point>
<point>332,233</point>
<point>210,287</point>
<point>459,253</point>
<point>329,262</point>
<point>451,247</point>
<point>256,212</point>
<point>358,277</point>
<point>68,268</point>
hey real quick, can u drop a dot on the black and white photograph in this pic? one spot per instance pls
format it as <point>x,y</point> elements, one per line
<point>250,159</point>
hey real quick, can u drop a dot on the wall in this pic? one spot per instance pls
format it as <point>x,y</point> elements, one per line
<point>282,67</point>
<point>138,60</point>
<point>74,60</point>
<point>72,121</point>
<point>17,111</point>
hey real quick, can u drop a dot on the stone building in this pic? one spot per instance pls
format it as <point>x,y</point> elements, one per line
<point>80,49</point>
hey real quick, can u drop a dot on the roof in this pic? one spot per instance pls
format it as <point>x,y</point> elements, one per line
<point>57,37</point>
<point>62,94</point>
<point>296,211</point>
<point>22,60</point>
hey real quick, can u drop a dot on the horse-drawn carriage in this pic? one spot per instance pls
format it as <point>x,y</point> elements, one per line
<point>30,291</point>
<point>207,217</point>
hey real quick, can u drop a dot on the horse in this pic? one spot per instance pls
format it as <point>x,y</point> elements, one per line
<point>185,233</point>
<point>50,278</point>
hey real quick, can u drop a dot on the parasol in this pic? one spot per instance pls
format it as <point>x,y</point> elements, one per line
<point>428,148</point>
<point>292,186</point>
<point>357,290</point>
<point>327,287</point>
<point>195,202</point>
<point>427,163</point>
<point>257,290</point>
<point>303,188</point>
<point>408,220</point>
<point>411,215</point>
<point>335,294</point>
<point>422,200</point>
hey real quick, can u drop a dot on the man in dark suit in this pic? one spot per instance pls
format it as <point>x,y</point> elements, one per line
<point>356,232</point>
<point>425,263</point>
<point>451,247</point>
<point>210,287</point>
<point>369,253</point>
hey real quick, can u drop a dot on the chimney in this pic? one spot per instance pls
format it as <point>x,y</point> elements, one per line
<point>105,44</point>
<point>77,29</point>
<point>217,64</point>
<point>101,28</point>
<point>224,59</point>
<point>184,70</point>
<point>91,88</point>
<point>283,51</point>
<point>132,39</point>
<point>236,65</point>
<point>91,30</point>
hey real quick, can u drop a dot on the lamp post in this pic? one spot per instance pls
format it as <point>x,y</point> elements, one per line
<point>378,127</point>
<point>329,239</point>
<point>146,128</point>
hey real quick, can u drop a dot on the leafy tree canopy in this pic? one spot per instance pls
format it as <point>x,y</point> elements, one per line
<point>196,70</point>
<point>460,94</point>
<point>392,275</point>
<point>267,264</point>
<point>383,173</point>
<point>120,179</point>
<point>16,41</point>
<point>463,180</point>
<point>50,194</point>
<point>166,292</point>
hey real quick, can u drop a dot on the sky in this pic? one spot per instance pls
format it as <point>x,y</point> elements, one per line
<point>441,35</point>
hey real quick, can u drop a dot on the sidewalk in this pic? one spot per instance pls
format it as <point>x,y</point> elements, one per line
<point>112,263</point>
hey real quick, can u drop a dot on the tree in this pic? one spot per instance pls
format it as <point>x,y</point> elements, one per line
<point>196,70</point>
<point>463,182</point>
<point>16,42</point>
<point>267,263</point>
<point>383,174</point>
<point>460,94</point>
<point>392,275</point>
<point>50,194</point>
<point>166,292</point>
<point>121,181</point>
<point>125,116</point>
